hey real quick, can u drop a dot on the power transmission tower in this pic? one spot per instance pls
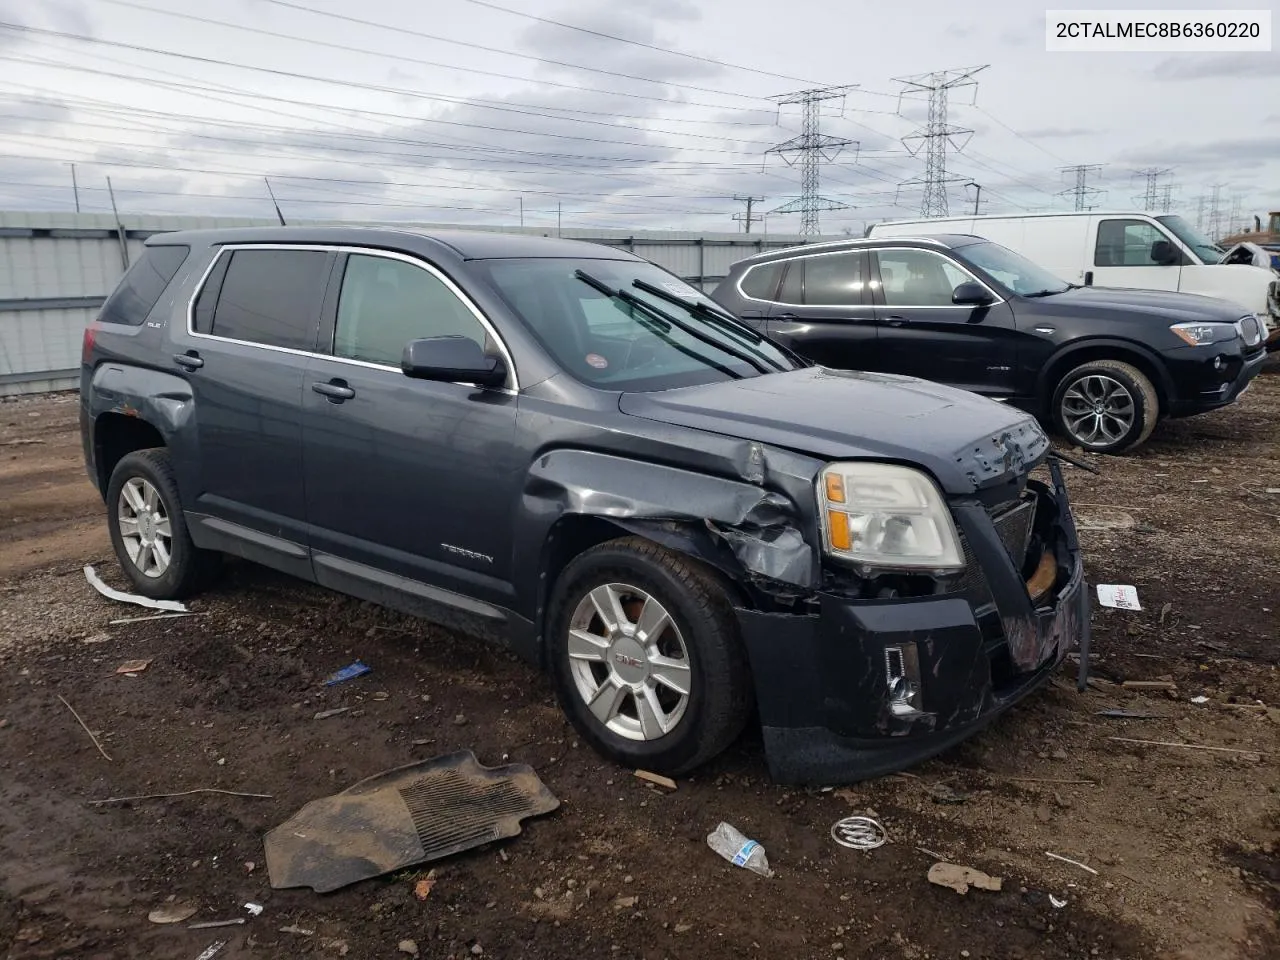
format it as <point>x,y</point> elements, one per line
<point>1215,212</point>
<point>937,133</point>
<point>811,148</point>
<point>1080,190</point>
<point>1237,213</point>
<point>1200,200</point>
<point>748,217</point>
<point>1150,197</point>
<point>1166,198</point>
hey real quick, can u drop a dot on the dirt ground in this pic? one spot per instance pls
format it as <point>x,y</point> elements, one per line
<point>1180,843</point>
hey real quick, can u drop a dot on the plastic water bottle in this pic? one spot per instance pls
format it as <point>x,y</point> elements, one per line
<point>739,850</point>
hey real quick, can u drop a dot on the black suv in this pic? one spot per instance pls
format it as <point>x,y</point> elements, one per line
<point>1102,365</point>
<point>562,447</point>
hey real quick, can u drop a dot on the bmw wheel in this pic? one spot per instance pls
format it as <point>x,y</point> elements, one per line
<point>1106,406</point>
<point>644,650</point>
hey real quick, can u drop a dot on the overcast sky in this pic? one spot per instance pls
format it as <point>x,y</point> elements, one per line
<point>414,120</point>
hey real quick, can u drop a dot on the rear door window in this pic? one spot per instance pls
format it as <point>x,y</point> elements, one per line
<point>272,297</point>
<point>140,288</point>
<point>833,280</point>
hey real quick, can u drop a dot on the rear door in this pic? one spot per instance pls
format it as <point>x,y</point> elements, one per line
<point>922,333</point>
<point>253,322</point>
<point>823,311</point>
<point>1122,255</point>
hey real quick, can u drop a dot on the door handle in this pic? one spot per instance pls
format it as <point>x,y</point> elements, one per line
<point>188,361</point>
<point>786,316</point>
<point>335,390</point>
<point>896,321</point>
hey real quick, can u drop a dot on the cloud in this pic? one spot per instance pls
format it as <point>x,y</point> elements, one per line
<point>1053,133</point>
<point>1024,33</point>
<point>1224,157</point>
<point>637,21</point>
<point>1247,66</point>
<point>23,113</point>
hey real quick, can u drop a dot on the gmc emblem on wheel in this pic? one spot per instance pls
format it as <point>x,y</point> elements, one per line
<point>626,661</point>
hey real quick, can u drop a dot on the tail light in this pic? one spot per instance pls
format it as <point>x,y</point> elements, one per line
<point>86,345</point>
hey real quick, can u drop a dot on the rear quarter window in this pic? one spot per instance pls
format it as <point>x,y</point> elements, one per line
<point>140,288</point>
<point>762,282</point>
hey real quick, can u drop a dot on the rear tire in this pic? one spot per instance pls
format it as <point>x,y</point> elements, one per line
<point>669,688</point>
<point>148,531</point>
<point>1106,406</point>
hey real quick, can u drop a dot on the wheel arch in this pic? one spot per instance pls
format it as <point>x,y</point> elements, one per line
<point>1104,348</point>
<point>115,436</point>
<point>574,534</point>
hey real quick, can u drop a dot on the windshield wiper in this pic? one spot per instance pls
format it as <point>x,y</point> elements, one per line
<point>717,317</point>
<point>1046,292</point>
<point>662,315</point>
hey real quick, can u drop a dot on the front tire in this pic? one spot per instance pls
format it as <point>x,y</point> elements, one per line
<point>148,532</point>
<point>1106,406</point>
<point>646,658</point>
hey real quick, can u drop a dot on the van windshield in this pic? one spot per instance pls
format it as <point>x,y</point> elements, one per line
<point>1206,250</point>
<point>1012,271</point>
<point>628,325</point>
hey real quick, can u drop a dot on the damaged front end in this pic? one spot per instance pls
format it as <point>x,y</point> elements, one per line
<point>878,674</point>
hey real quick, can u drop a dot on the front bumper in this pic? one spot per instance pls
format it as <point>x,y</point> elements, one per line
<point>821,681</point>
<point>1201,386</point>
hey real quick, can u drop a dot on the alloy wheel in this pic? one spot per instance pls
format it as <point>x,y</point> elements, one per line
<point>145,529</point>
<point>1098,410</point>
<point>629,661</point>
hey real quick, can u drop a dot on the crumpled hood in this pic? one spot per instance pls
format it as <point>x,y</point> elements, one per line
<point>1162,307</point>
<point>964,440</point>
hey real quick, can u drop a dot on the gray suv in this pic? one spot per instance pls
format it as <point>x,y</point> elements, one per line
<point>568,450</point>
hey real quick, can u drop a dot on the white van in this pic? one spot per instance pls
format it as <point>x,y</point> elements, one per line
<point>1123,249</point>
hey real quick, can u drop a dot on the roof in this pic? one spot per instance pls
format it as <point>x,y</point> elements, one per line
<point>946,240</point>
<point>1022,216</point>
<point>465,244</point>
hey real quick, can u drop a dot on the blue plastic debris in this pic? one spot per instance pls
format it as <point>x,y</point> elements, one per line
<point>356,669</point>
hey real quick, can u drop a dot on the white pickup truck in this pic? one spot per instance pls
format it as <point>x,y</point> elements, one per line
<point>1122,249</point>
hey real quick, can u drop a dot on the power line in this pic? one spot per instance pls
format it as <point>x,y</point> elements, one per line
<point>638,43</point>
<point>400,29</point>
<point>937,134</point>
<point>21,28</point>
<point>409,93</point>
<point>1080,191</point>
<point>811,147</point>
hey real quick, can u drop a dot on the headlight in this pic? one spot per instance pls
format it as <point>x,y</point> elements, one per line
<point>1198,334</point>
<point>887,517</point>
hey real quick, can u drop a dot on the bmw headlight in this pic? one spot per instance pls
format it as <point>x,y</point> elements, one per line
<point>1198,334</point>
<point>878,515</point>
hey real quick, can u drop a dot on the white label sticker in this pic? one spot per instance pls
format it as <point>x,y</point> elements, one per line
<point>1122,597</point>
<point>681,290</point>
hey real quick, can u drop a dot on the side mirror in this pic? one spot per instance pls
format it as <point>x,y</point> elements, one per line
<point>452,360</point>
<point>1164,253</point>
<point>971,294</point>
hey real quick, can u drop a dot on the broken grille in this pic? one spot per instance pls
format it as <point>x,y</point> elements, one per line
<point>1013,523</point>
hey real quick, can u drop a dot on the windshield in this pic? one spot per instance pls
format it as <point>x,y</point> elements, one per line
<point>615,345</point>
<point>1207,251</point>
<point>1011,270</point>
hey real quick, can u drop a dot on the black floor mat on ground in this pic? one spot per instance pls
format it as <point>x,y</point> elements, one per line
<point>420,812</point>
